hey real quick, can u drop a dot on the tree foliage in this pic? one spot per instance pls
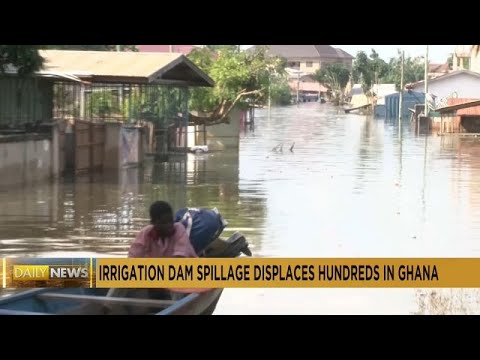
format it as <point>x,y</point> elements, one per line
<point>280,93</point>
<point>241,78</point>
<point>223,47</point>
<point>335,77</point>
<point>369,70</point>
<point>450,62</point>
<point>413,70</point>
<point>25,58</point>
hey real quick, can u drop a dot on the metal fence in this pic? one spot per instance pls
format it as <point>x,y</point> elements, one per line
<point>34,100</point>
<point>127,103</point>
<point>27,103</point>
<point>24,103</point>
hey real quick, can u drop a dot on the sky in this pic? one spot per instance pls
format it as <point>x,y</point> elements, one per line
<point>436,53</point>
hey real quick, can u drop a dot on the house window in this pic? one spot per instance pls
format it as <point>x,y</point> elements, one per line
<point>466,63</point>
<point>309,64</point>
<point>458,62</point>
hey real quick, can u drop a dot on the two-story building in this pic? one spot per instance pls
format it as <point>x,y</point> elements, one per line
<point>467,57</point>
<point>310,58</point>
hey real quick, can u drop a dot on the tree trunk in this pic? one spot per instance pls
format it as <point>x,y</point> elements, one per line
<point>221,112</point>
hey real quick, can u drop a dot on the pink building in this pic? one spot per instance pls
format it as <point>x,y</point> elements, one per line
<point>184,49</point>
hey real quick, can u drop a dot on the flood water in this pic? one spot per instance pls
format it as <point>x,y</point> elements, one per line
<point>353,186</point>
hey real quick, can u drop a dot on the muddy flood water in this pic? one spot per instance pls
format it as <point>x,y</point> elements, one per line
<point>353,186</point>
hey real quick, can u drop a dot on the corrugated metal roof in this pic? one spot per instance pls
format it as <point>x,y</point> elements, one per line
<point>307,51</point>
<point>343,54</point>
<point>470,111</point>
<point>465,104</point>
<point>106,63</point>
<point>438,68</point>
<point>143,67</point>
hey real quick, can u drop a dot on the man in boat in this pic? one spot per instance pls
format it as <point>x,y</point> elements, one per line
<point>164,237</point>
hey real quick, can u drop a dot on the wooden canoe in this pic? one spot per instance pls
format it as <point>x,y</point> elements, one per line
<point>77,301</point>
<point>86,301</point>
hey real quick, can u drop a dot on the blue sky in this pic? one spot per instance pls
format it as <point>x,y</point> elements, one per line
<point>436,53</point>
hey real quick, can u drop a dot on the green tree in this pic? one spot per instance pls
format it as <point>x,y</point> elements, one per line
<point>362,71</point>
<point>280,91</point>
<point>413,70</point>
<point>378,67</point>
<point>223,47</point>
<point>450,62</point>
<point>335,77</point>
<point>241,78</point>
<point>369,70</point>
<point>25,58</point>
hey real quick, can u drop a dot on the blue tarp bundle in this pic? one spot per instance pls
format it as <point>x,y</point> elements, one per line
<point>203,225</point>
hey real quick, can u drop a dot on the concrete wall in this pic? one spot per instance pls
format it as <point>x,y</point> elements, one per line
<point>115,158</point>
<point>475,62</point>
<point>345,62</point>
<point>320,63</point>
<point>25,159</point>
<point>312,69</point>
<point>225,136</point>
<point>112,146</point>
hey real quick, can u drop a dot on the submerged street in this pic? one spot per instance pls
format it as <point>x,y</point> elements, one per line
<point>343,185</point>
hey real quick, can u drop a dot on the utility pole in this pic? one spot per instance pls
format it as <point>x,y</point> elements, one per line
<point>298,87</point>
<point>426,82</point>
<point>269,93</point>
<point>400,103</point>
<point>120,93</point>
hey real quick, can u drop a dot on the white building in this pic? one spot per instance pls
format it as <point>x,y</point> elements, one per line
<point>459,84</point>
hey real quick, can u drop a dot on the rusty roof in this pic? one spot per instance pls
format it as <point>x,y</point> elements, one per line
<point>438,68</point>
<point>463,107</point>
<point>469,111</point>
<point>128,67</point>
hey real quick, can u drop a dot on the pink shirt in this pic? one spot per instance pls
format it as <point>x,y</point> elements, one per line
<point>147,245</point>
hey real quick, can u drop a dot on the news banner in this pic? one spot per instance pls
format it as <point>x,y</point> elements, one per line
<point>240,272</point>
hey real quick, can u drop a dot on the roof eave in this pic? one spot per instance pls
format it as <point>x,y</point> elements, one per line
<point>445,76</point>
<point>458,106</point>
<point>156,77</point>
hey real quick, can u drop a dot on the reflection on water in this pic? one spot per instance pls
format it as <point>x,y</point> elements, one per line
<point>101,214</point>
<point>448,302</point>
<point>353,186</point>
